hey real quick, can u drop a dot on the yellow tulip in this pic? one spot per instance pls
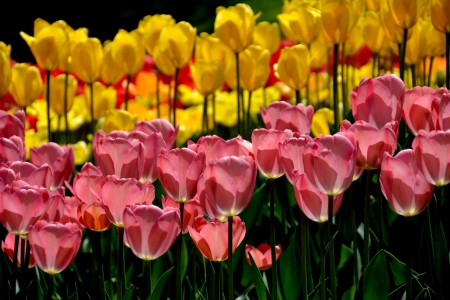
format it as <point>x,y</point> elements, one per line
<point>110,72</point>
<point>81,34</point>
<point>139,110</point>
<point>406,12</point>
<point>207,76</point>
<point>338,18</point>
<point>267,36</point>
<point>151,27</point>
<point>163,62</point>
<point>373,5</point>
<point>322,117</point>
<point>117,119</point>
<point>294,66</point>
<point>373,32</point>
<point>392,30</point>
<point>440,15</point>
<point>145,88</point>
<point>26,84</point>
<point>435,39</point>
<point>254,67</point>
<point>355,39</point>
<point>87,57</point>
<point>5,68</point>
<point>230,74</point>
<point>210,48</point>
<point>34,139</point>
<point>57,93</point>
<point>49,44</point>
<point>81,151</point>
<point>301,24</point>
<point>234,26</point>
<point>176,43</point>
<point>416,48</point>
<point>189,96</point>
<point>104,99</point>
<point>319,53</point>
<point>128,51</point>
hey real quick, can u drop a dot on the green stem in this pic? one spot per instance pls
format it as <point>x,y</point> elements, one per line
<point>94,271</point>
<point>367,221</point>
<point>374,62</point>
<point>429,70</point>
<point>304,257</point>
<point>148,278</point>
<point>402,62</point>
<point>179,278</point>
<point>237,95</point>
<point>175,90</point>
<point>413,75</point>
<point>51,286</point>
<point>121,267</point>
<point>218,282</point>
<point>48,108</point>
<point>272,239</point>
<point>437,239</point>
<point>194,271</point>
<point>430,247</point>
<point>331,248</point>
<point>22,267</point>
<point>248,111</point>
<point>424,66</point>
<point>66,83</point>
<point>91,86</point>
<point>98,265</point>
<point>343,81</point>
<point>447,59</point>
<point>335,88</point>
<point>126,92</point>
<point>297,96</point>
<point>380,215</point>
<point>354,236</point>
<point>230,259</point>
<point>408,261</point>
<point>158,111</point>
<point>322,263</point>
<point>14,265</point>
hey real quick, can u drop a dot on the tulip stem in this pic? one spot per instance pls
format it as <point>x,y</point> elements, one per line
<point>218,282</point>
<point>322,263</point>
<point>66,83</point>
<point>194,271</point>
<point>158,112</point>
<point>366,221</point>
<point>48,108</point>
<point>126,92</point>
<point>447,59</point>
<point>297,97</point>
<point>148,278</point>
<point>51,286</point>
<point>248,111</point>
<point>304,257</point>
<point>214,111</point>
<point>344,92</point>
<point>91,86</point>
<point>354,236</point>
<point>14,266</point>
<point>121,266</point>
<point>335,89</point>
<point>374,62</point>
<point>318,89</point>
<point>230,259</point>
<point>408,261</point>
<point>97,268</point>
<point>429,70</point>
<point>437,238</point>
<point>237,95</point>
<point>272,239</point>
<point>413,75</point>
<point>380,215</point>
<point>175,90</point>
<point>179,278</point>
<point>331,248</point>
<point>205,116</point>
<point>26,262</point>
<point>402,62</point>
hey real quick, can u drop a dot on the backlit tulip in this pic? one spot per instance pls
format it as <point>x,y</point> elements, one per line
<point>117,119</point>
<point>57,86</point>
<point>151,28</point>
<point>435,39</point>
<point>373,32</point>
<point>431,152</point>
<point>440,15</point>
<point>8,248</point>
<point>329,163</point>
<point>318,53</point>
<point>291,155</point>
<point>128,52</point>
<point>404,185</point>
<point>312,202</point>
<point>87,57</point>
<point>378,100</point>
<point>5,68</point>
<point>406,13</point>
<point>26,84</point>
<point>29,173</point>
<point>393,31</point>
<point>191,210</point>
<point>254,67</point>
<point>281,115</point>
<point>211,145</point>
<point>210,48</point>
<point>163,63</point>
<point>70,214</point>
<point>54,245</point>
<point>74,36</point>
<point>12,124</point>
<point>418,108</point>
<point>104,98</point>
<point>338,17</point>
<point>416,48</point>
<point>267,36</point>
<point>355,39</point>
<point>301,24</point>
<point>166,129</point>
<point>261,255</point>
<point>207,76</point>
<point>294,66</point>
<point>234,26</point>
<point>211,237</point>
<point>236,147</point>
<point>110,71</point>
<point>12,149</point>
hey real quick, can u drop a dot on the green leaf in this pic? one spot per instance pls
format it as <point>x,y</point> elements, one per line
<point>156,294</point>
<point>289,263</point>
<point>157,271</point>
<point>346,253</point>
<point>261,289</point>
<point>375,278</point>
<point>129,293</point>
<point>398,269</point>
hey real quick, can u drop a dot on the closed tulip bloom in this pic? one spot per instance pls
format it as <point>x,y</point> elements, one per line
<point>163,63</point>
<point>211,237</point>
<point>265,146</point>
<point>404,185</point>
<point>49,44</point>
<point>294,66</point>
<point>8,249</point>
<point>208,207</point>
<point>329,162</point>
<point>191,210</point>
<point>261,255</point>
<point>291,155</point>
<point>207,76</point>
<point>301,24</point>
<point>338,17</point>
<point>176,43</point>
<point>57,86</point>
<point>435,39</point>
<point>373,32</point>
<point>105,98</point>
<point>12,149</point>
<point>118,119</point>
<point>54,245</point>
<point>29,173</point>
<point>355,39</point>
<point>5,68</point>
<point>74,36</point>
<point>110,71</point>
<point>234,26</point>
<point>312,202</point>
<point>254,67</point>
<point>12,124</point>
<point>179,170</point>
<point>281,115</point>
<point>378,100</point>
<point>87,57</point>
<point>393,31</point>
<point>267,36</point>
<point>128,51</point>
<point>418,109</point>
<point>166,129</point>
<point>210,48</point>
<point>151,28</point>
<point>236,147</point>
<point>211,145</point>
<point>318,53</point>
<point>26,84</point>
<point>440,15</point>
<point>431,152</point>
<point>416,48</point>
<point>406,13</point>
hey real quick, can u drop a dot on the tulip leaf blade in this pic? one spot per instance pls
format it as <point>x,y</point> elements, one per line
<point>375,278</point>
<point>129,293</point>
<point>260,287</point>
<point>156,294</point>
<point>398,269</point>
<point>289,263</point>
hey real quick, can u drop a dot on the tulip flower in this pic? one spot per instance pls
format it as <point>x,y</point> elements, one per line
<point>104,99</point>
<point>394,32</point>
<point>60,159</point>
<point>191,210</point>
<point>207,76</point>
<point>281,115</point>
<point>355,39</point>
<point>87,57</point>
<point>418,109</point>
<point>210,48</point>
<point>318,53</point>
<point>8,248</point>
<point>70,213</point>
<point>312,202</point>
<point>54,245</point>
<point>179,170</point>
<point>416,48</point>
<point>116,119</point>
<point>57,90</point>
<point>162,62</point>
<point>74,36</point>
<point>378,100</point>
<point>234,26</point>
<point>254,67</point>
<point>406,13</point>
<point>267,36</point>
<point>236,147</point>
<point>5,68</point>
<point>110,71</point>
<point>168,132</point>
<point>261,255</point>
<point>127,51</point>
<point>404,185</point>
<point>26,84</point>
<point>12,149</point>
<point>293,66</point>
<point>338,17</point>
<point>29,173</point>
<point>12,124</point>
<point>301,24</point>
<point>152,27</point>
<point>435,39</point>
<point>440,15</point>
<point>290,152</point>
<point>211,145</point>
<point>373,32</point>
<point>210,237</point>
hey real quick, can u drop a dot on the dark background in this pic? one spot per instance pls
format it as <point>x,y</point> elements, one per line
<point>104,20</point>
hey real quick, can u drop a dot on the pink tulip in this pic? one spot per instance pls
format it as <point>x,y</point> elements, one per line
<point>443,118</point>
<point>11,125</point>
<point>56,210</point>
<point>40,176</point>
<point>54,245</point>
<point>418,109</point>
<point>312,202</point>
<point>12,149</point>
<point>372,143</point>
<point>210,144</point>
<point>179,170</point>
<point>236,147</point>
<point>87,184</point>
<point>290,152</point>
<point>70,214</point>
<point>378,100</point>
<point>60,159</point>
<point>229,184</point>
<point>404,185</point>
<point>211,237</point>
<point>281,115</point>
<point>150,231</point>
<point>261,255</point>
<point>208,206</point>
<point>159,125</point>
<point>8,248</point>
<point>431,150</point>
<point>329,163</point>
<point>265,146</point>
<point>192,209</point>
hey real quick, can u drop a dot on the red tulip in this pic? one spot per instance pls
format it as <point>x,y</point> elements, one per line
<point>432,155</point>
<point>312,202</point>
<point>192,209</point>
<point>417,109</point>
<point>159,125</point>
<point>329,163</point>
<point>211,237</point>
<point>150,231</point>
<point>8,248</point>
<point>378,100</point>
<point>262,255</point>
<point>291,155</point>
<point>179,170</point>
<point>11,125</point>
<point>281,115</point>
<point>54,245</point>
<point>60,159</point>
<point>12,149</point>
<point>404,185</point>
<point>265,146</point>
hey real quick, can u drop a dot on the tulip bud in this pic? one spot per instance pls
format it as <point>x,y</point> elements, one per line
<point>128,51</point>
<point>440,15</point>
<point>210,48</point>
<point>435,39</point>
<point>293,66</point>
<point>355,39</point>
<point>267,36</point>
<point>301,24</point>
<point>254,67</point>
<point>81,34</point>
<point>207,76</point>
<point>319,53</point>
<point>110,71</point>
<point>338,18</point>
<point>392,30</point>
<point>416,46</point>
<point>151,27</point>
<point>26,84</point>
<point>57,86</point>
<point>104,99</point>
<point>373,32</point>
<point>405,12</point>
<point>87,57</point>
<point>5,68</point>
